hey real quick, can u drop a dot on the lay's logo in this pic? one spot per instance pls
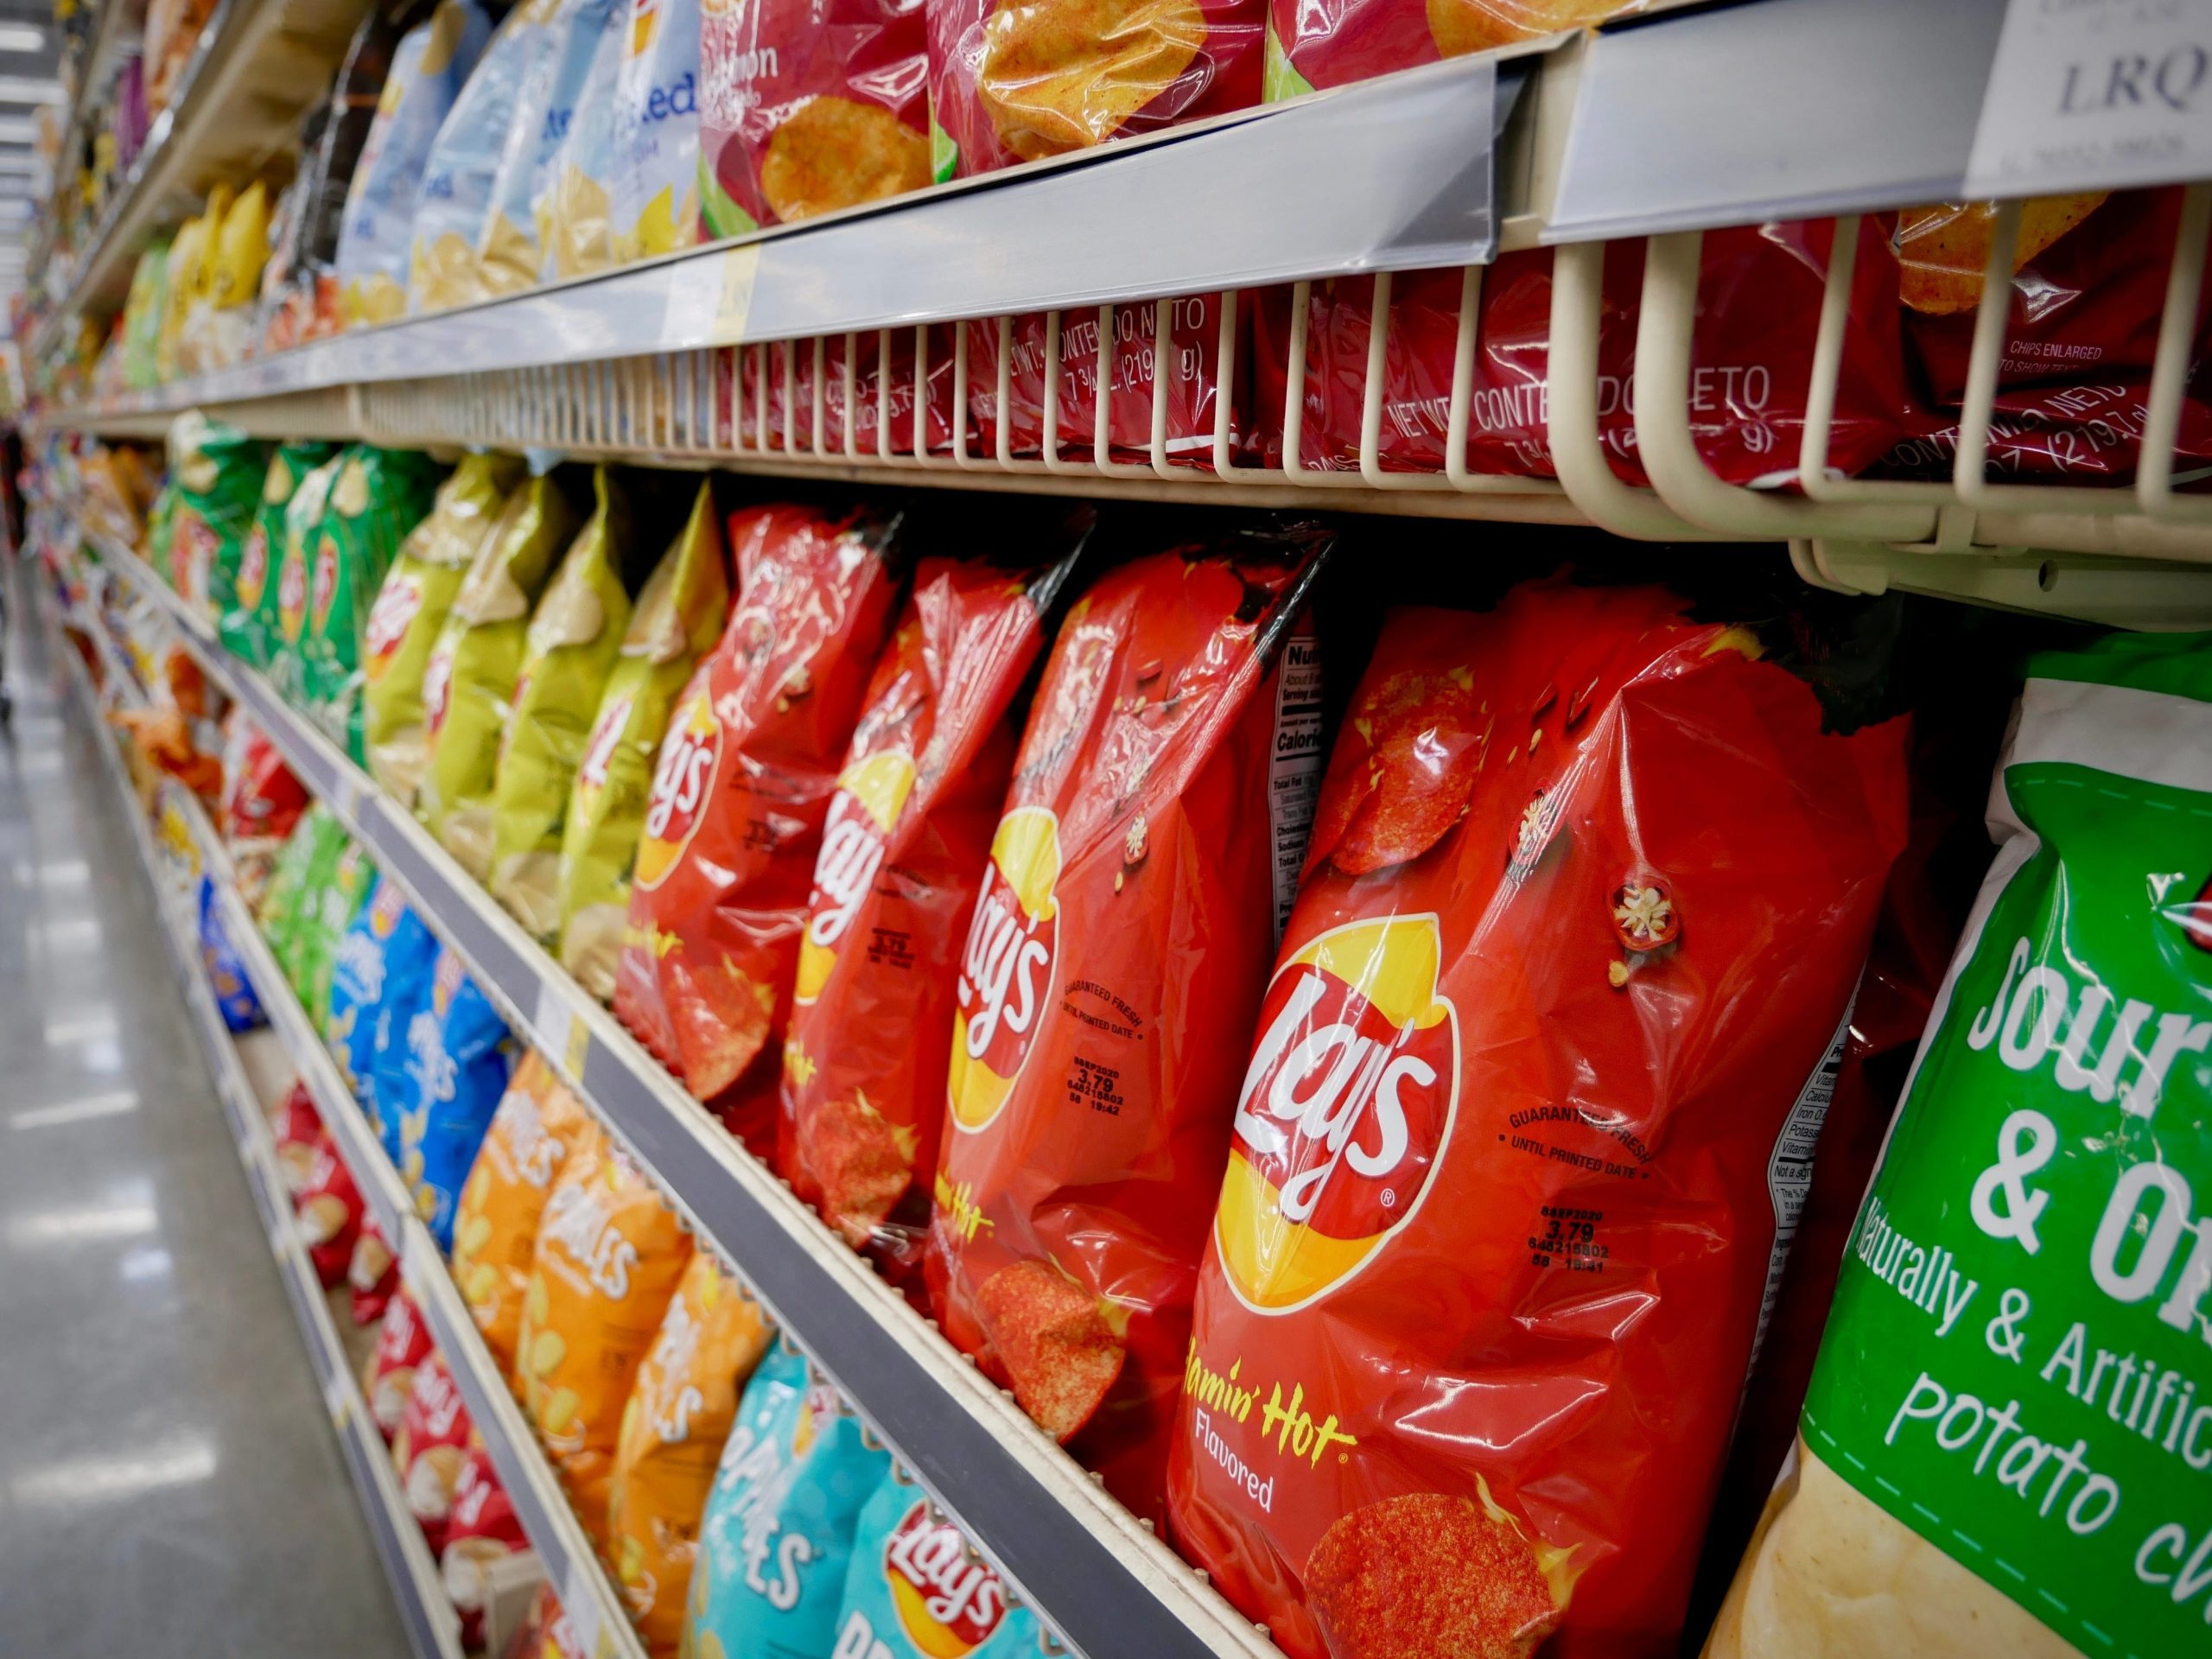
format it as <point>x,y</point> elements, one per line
<point>326,581</point>
<point>870,796</point>
<point>1006,973</point>
<point>397,606</point>
<point>677,803</point>
<point>599,751</point>
<point>253,569</point>
<point>948,1605</point>
<point>292,598</point>
<point>384,911</point>
<point>1345,1109</point>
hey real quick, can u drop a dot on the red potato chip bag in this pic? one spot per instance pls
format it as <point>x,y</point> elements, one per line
<point>738,796</point>
<point>790,412</point>
<point>2088,286</point>
<point>372,1273</point>
<point>1759,295</point>
<point>1588,895</point>
<point>908,834</point>
<point>481,1529</point>
<point>1017,80</point>
<point>1124,924</point>
<point>810,106</point>
<point>295,1128</point>
<point>403,1343</point>
<point>431,1447</point>
<point>1333,43</point>
<point>327,1210</point>
<point>1194,339</point>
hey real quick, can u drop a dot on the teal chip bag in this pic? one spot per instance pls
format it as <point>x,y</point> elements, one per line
<point>2009,1428</point>
<point>779,1526</point>
<point>915,1588</point>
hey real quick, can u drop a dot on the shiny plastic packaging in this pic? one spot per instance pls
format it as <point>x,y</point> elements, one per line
<point>609,1256</point>
<point>655,191</point>
<point>678,616</point>
<point>795,1472</point>
<point>739,799</point>
<point>237,586</point>
<point>680,1411</point>
<point>1019,83</point>
<point>916,1588</point>
<point>809,107</point>
<point>2073,376</point>
<point>510,248</point>
<point>1127,916</point>
<point>459,1056</point>
<point>2000,1452</point>
<point>903,850</point>
<point>375,238</point>
<point>1314,43</point>
<point>455,200</point>
<point>535,1125</point>
<point>1759,295</point>
<point>1529,1113</point>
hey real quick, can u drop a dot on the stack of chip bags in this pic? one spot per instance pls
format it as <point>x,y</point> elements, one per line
<point>380,497</point>
<point>796,1471</point>
<point>571,199</point>
<point>609,1256</point>
<point>677,618</point>
<point>239,589</point>
<point>468,683</point>
<point>673,1429</point>
<point>511,249</point>
<point>376,238</point>
<point>495,1226</point>
<point>570,649</point>
<point>463,165</point>
<point>410,609</point>
<point>459,1056</point>
<point>655,195</point>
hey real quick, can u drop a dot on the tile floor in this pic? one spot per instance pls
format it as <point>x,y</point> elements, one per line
<point>169,1484</point>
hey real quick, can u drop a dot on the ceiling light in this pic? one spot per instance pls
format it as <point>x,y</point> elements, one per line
<point>24,89</point>
<point>21,37</point>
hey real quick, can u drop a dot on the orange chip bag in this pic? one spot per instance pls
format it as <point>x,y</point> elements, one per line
<point>609,1256</point>
<point>909,832</point>
<point>739,796</point>
<point>1124,926</point>
<point>495,1227</point>
<point>680,1413</point>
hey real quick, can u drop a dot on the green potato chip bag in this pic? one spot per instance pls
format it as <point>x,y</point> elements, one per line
<point>676,620</point>
<point>380,495</point>
<point>161,533</point>
<point>468,683</point>
<point>411,608</point>
<point>282,615</point>
<point>239,599</point>
<point>574,636</point>
<point>325,912</point>
<point>293,899</point>
<point>217,471</point>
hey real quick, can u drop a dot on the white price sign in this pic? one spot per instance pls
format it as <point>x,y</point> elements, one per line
<point>2095,94</point>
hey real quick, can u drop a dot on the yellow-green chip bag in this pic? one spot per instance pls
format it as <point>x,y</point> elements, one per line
<point>283,612</point>
<point>677,619</point>
<point>410,608</point>
<point>574,635</point>
<point>468,683</point>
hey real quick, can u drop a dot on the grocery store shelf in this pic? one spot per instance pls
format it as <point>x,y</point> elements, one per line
<point>258,66</point>
<point>555,1533</point>
<point>1088,1568</point>
<point>433,1628</point>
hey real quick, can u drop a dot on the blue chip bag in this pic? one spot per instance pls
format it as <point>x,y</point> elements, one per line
<point>386,951</point>
<point>234,991</point>
<point>458,1058</point>
<point>779,1524</point>
<point>428,68</point>
<point>914,1590</point>
<point>463,168</point>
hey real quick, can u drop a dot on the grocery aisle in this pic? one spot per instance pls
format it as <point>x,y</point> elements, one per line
<point>168,1482</point>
